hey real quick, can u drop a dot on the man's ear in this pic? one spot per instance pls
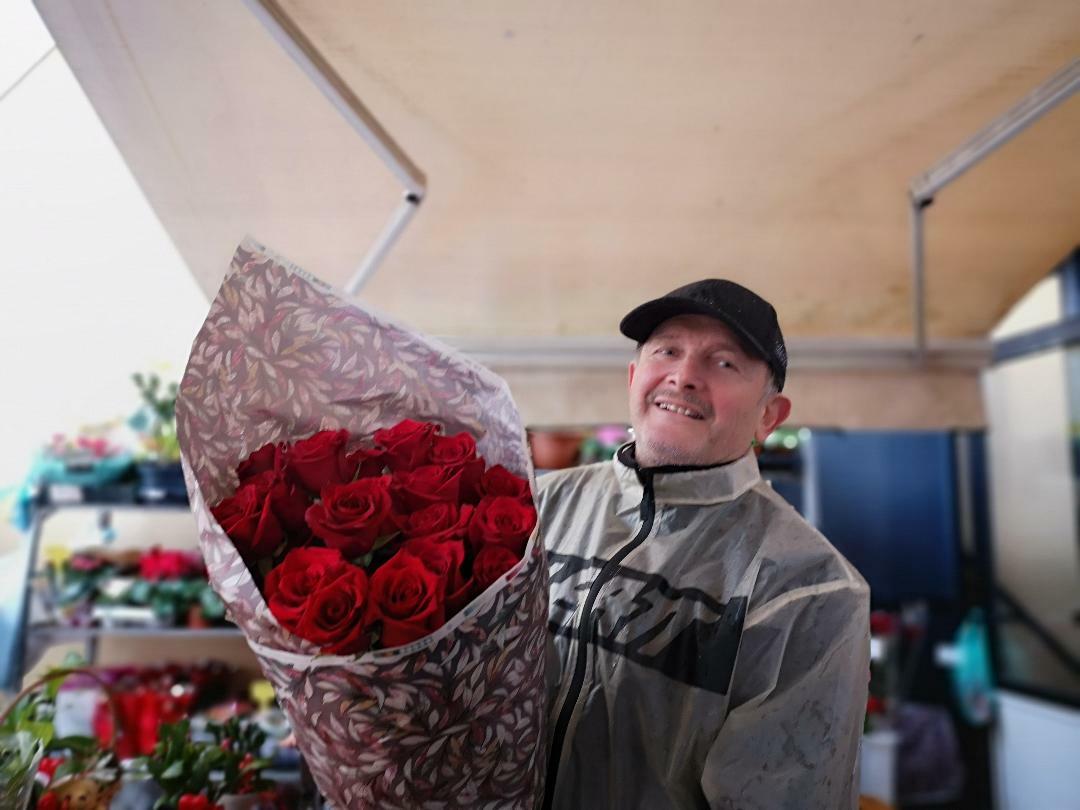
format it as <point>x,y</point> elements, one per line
<point>774,415</point>
<point>630,378</point>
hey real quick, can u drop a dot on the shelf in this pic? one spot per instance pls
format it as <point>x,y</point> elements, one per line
<point>60,634</point>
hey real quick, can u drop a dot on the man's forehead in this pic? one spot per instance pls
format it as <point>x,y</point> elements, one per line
<point>698,326</point>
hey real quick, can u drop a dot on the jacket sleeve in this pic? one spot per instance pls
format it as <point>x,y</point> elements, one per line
<point>798,699</point>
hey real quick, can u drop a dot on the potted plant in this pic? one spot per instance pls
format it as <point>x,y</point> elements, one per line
<point>207,775</point>
<point>72,771</point>
<point>160,475</point>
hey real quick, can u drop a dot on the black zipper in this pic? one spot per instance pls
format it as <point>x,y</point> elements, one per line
<point>585,630</point>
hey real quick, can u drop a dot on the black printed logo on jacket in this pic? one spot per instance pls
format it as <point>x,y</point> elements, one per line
<point>682,632</point>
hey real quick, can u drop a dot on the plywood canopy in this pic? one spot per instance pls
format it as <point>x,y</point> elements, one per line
<point>584,157</point>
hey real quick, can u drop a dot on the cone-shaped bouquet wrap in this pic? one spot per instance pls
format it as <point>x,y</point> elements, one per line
<point>454,718</point>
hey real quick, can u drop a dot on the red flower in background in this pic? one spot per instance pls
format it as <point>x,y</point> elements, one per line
<point>351,517</point>
<point>320,460</point>
<point>502,520</point>
<point>196,801</point>
<point>407,444</point>
<point>158,564</point>
<point>405,595</point>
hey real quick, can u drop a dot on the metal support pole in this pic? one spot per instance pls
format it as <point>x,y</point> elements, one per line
<point>918,280</point>
<point>998,132</point>
<point>323,75</point>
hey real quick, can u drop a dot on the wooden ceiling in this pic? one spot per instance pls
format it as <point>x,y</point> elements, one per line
<point>582,157</point>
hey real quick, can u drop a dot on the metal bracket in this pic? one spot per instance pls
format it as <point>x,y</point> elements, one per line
<point>998,132</point>
<point>330,83</point>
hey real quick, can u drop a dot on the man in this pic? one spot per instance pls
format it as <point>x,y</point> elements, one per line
<point>710,647</point>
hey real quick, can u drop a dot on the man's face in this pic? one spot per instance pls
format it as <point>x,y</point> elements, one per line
<point>696,397</point>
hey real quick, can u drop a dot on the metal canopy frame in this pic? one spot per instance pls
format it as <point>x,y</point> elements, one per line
<point>998,132</point>
<point>330,83</point>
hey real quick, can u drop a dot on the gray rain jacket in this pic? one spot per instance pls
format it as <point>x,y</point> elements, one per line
<point>711,649</point>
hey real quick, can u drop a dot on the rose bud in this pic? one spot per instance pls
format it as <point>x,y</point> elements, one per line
<point>319,460</point>
<point>498,480</point>
<point>424,486</point>
<point>405,596</point>
<point>502,520</point>
<point>249,520</point>
<point>439,521</point>
<point>366,462</point>
<point>407,444</point>
<point>351,517</point>
<point>492,561</point>
<point>444,558</point>
<point>268,458</point>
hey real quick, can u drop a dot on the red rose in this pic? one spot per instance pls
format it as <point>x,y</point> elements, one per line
<point>504,521</point>
<point>351,517</point>
<point>267,458</point>
<point>365,462</point>
<point>292,583</point>
<point>249,520</point>
<point>424,486</point>
<point>290,503</point>
<point>196,801</point>
<point>450,450</point>
<point>158,564</point>
<point>440,521</point>
<point>405,594</point>
<point>498,480</point>
<point>444,558</point>
<point>48,766</point>
<point>492,561</point>
<point>407,444</point>
<point>319,460</point>
<point>337,614</point>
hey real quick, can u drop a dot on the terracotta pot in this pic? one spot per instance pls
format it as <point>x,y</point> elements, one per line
<point>195,618</point>
<point>554,450</point>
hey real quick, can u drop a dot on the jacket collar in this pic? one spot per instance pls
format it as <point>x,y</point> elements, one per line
<point>718,483</point>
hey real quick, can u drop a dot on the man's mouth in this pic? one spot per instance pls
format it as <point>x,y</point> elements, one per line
<point>681,410</point>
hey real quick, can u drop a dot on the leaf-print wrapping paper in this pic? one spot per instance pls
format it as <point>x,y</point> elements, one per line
<point>455,720</point>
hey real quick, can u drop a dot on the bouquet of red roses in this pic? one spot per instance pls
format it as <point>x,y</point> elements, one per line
<point>364,509</point>
<point>375,545</point>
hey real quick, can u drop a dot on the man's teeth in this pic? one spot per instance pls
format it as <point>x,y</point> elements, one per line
<point>676,409</point>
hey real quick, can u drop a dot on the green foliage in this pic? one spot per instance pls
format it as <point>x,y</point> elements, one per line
<point>227,763</point>
<point>20,754</point>
<point>156,418</point>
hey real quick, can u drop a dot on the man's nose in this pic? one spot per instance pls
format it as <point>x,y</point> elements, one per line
<point>686,373</point>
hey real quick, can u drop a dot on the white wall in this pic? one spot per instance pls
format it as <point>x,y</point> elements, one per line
<point>93,291</point>
<point>1036,755</point>
<point>93,288</point>
<point>1034,516</point>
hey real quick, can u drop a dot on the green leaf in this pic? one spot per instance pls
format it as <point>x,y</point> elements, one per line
<point>84,746</point>
<point>43,730</point>
<point>174,771</point>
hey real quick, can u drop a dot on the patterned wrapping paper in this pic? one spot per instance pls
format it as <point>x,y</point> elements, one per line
<point>455,720</point>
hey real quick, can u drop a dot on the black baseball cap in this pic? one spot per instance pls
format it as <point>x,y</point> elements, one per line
<point>747,314</point>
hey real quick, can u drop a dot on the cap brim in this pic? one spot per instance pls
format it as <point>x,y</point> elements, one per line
<point>642,321</point>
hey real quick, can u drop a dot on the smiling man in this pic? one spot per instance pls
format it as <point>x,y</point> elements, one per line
<point>709,647</point>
